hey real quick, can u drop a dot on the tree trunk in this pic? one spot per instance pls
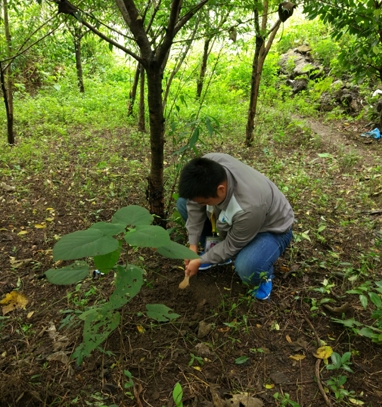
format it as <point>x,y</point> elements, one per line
<point>141,120</point>
<point>77,50</point>
<point>6,78</point>
<point>133,91</point>
<point>203,68</point>
<point>261,52</point>
<point>155,190</point>
<point>255,85</point>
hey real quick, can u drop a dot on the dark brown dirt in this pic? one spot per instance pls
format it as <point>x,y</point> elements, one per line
<point>158,355</point>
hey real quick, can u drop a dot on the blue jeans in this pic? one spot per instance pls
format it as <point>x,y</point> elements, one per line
<point>255,261</point>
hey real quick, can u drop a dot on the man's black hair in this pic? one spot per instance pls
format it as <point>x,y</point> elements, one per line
<point>201,177</point>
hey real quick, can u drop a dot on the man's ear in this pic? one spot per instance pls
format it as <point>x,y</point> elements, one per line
<point>221,190</point>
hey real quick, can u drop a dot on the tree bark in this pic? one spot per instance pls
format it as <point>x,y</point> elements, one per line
<point>203,68</point>
<point>261,52</point>
<point>77,50</point>
<point>155,104</point>
<point>6,78</point>
<point>141,120</point>
<point>133,91</point>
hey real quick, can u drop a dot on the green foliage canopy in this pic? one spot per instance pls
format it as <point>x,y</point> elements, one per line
<point>361,53</point>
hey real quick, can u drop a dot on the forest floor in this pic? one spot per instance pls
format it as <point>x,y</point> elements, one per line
<point>225,344</point>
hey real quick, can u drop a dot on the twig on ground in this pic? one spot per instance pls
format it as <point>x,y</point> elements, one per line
<point>317,366</point>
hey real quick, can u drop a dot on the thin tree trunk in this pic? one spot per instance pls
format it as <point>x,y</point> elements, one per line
<point>6,78</point>
<point>255,85</point>
<point>203,67</point>
<point>155,191</point>
<point>141,120</point>
<point>133,91</point>
<point>77,50</point>
<point>261,52</point>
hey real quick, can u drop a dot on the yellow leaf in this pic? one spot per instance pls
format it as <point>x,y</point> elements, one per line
<point>49,219</point>
<point>141,330</point>
<point>14,300</point>
<point>23,232</point>
<point>40,226</point>
<point>197,368</point>
<point>288,338</point>
<point>269,386</point>
<point>297,357</point>
<point>49,209</point>
<point>356,402</point>
<point>30,314</point>
<point>324,352</point>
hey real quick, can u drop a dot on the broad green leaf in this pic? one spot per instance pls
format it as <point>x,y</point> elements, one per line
<point>107,261</point>
<point>98,326</point>
<point>375,299</point>
<point>133,215</point>
<point>160,312</point>
<point>368,332</point>
<point>128,283</point>
<point>321,228</point>
<point>84,243</point>
<point>242,359</point>
<point>347,322</point>
<point>177,395</point>
<point>336,360</point>
<point>364,300</point>
<point>345,357</point>
<point>174,250</point>
<point>68,275</point>
<point>147,236</point>
<point>109,229</point>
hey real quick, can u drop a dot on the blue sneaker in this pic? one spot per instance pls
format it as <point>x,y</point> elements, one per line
<point>263,292</point>
<point>225,262</point>
<point>206,266</point>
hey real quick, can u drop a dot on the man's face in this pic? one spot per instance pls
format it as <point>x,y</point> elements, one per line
<point>208,201</point>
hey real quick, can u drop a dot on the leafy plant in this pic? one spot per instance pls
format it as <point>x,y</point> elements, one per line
<point>365,293</point>
<point>132,226</point>
<point>177,395</point>
<point>336,384</point>
<point>285,400</point>
<point>340,362</point>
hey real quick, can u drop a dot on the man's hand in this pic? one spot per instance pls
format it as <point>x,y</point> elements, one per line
<point>194,248</point>
<point>192,267</point>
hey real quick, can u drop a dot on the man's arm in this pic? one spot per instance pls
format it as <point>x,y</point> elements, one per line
<point>245,226</point>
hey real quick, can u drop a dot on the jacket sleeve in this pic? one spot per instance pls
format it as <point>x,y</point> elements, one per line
<point>197,215</point>
<point>245,226</point>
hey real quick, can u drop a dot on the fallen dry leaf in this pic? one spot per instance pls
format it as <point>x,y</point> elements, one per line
<point>40,226</point>
<point>297,357</point>
<point>324,352</point>
<point>14,300</point>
